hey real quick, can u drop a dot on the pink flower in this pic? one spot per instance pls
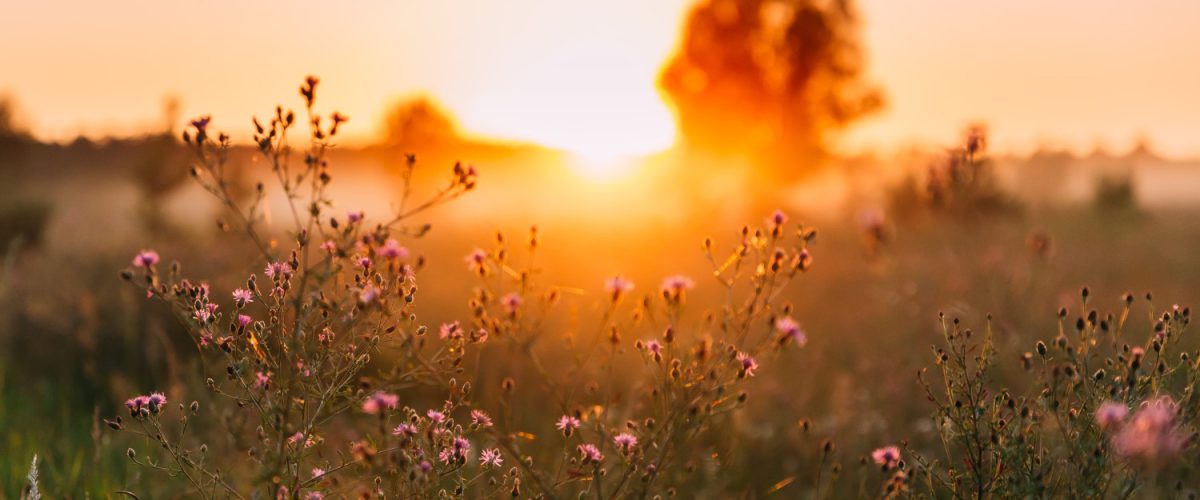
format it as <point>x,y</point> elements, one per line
<point>155,401</point>
<point>790,330</point>
<point>888,457</point>
<point>379,402</point>
<point>425,467</point>
<point>408,430</point>
<point>777,219</point>
<point>262,380</point>
<point>457,450</point>
<point>355,216</point>
<point>511,302</point>
<point>476,260</point>
<point>278,270</point>
<point>655,349</point>
<point>748,364</point>
<point>1153,436</point>
<point>450,331</point>
<point>674,286</point>
<point>490,458</point>
<point>363,262</point>
<point>435,416</point>
<point>244,320</point>
<point>567,424</point>
<point>205,314</point>
<point>617,286</point>
<point>368,294</point>
<point>590,453</point>
<point>145,258</point>
<point>392,250</point>
<point>314,495</point>
<point>481,419</point>
<point>243,296</point>
<point>329,246</point>
<point>625,441</point>
<point>317,472</point>
<point>1111,415</point>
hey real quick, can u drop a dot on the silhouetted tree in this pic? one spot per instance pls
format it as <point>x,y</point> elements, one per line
<point>419,124</point>
<point>768,79</point>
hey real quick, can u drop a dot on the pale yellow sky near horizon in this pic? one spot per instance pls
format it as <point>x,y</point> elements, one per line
<point>580,75</point>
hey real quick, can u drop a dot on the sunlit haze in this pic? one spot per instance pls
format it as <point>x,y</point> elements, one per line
<point>581,75</point>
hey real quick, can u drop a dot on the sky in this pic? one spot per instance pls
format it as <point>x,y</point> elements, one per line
<point>579,75</point>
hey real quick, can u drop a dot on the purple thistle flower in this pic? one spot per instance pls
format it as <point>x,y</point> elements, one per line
<point>476,260</point>
<point>405,429</point>
<point>490,458</point>
<point>279,270</point>
<point>481,419</point>
<point>567,424</point>
<point>888,457</point>
<point>790,330</point>
<point>380,401</point>
<point>355,216</point>
<point>748,364</point>
<point>243,296</point>
<point>145,258</point>
<point>1111,415</point>
<point>625,441</point>
<point>155,402</point>
<point>435,416</point>
<point>243,320</point>
<point>392,250</point>
<point>590,453</point>
<point>674,286</point>
<point>262,380</point>
<point>450,331</point>
<point>1153,436</point>
<point>511,302</point>
<point>617,286</point>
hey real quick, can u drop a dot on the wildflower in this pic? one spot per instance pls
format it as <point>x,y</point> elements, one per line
<point>674,286</point>
<point>748,365</point>
<point>243,320</point>
<point>790,330</point>
<point>317,472</point>
<point>368,294</point>
<point>777,219</point>
<point>363,262</point>
<point>135,404</point>
<point>425,467</point>
<point>243,296</point>
<point>392,250</point>
<point>655,349</point>
<point>407,430</point>
<point>201,126</point>
<point>380,401</point>
<point>617,286</point>
<point>481,335</point>
<point>567,424</point>
<point>625,441</point>
<point>155,402</point>
<point>511,303</point>
<point>450,331</point>
<point>205,314</point>
<point>481,419</point>
<point>1111,414</point>
<point>590,453</point>
<point>278,270</point>
<point>456,452</point>
<point>262,380</point>
<point>314,495</point>
<point>435,416</point>
<point>329,246</point>
<point>355,216</point>
<point>1153,435</point>
<point>888,457</point>
<point>491,458</point>
<point>476,260</point>
<point>145,258</point>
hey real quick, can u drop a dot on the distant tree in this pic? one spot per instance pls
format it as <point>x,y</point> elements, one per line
<point>768,79</point>
<point>418,124</point>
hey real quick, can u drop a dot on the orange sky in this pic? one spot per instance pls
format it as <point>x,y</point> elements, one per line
<point>580,74</point>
